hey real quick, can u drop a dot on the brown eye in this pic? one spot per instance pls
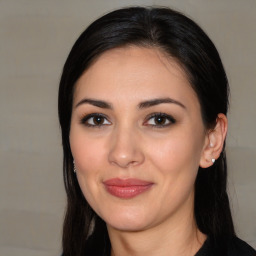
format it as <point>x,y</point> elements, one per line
<point>159,120</point>
<point>98,120</point>
<point>95,120</point>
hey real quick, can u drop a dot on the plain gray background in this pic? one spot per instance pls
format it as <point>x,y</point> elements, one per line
<point>35,38</point>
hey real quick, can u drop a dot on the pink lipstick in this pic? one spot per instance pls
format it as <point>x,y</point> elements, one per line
<point>126,188</point>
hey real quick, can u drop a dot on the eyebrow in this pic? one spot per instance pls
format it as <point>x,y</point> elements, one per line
<point>154,102</point>
<point>97,103</point>
<point>142,105</point>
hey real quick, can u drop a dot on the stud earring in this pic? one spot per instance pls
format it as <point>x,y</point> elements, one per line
<point>213,160</point>
<point>74,166</point>
<point>211,144</point>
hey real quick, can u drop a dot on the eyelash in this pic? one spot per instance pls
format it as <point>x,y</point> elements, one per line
<point>166,117</point>
<point>160,115</point>
<point>85,120</point>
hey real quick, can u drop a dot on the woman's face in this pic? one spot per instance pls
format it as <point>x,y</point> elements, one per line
<point>137,138</point>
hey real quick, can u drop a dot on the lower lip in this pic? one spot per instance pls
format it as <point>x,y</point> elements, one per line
<point>127,191</point>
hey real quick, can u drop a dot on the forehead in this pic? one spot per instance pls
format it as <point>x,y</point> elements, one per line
<point>134,72</point>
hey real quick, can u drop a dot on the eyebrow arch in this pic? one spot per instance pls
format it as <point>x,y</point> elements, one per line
<point>97,103</point>
<point>154,102</point>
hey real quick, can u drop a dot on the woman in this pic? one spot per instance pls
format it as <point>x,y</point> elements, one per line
<point>143,100</point>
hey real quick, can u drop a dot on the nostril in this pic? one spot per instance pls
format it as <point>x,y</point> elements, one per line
<point>124,151</point>
<point>126,160</point>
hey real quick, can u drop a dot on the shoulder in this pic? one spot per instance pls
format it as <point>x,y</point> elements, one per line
<point>237,247</point>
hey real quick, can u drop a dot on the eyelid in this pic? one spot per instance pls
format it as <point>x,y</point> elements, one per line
<point>85,118</point>
<point>160,114</point>
<point>169,118</point>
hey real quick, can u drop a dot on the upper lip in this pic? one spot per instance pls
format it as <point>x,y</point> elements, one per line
<point>126,182</point>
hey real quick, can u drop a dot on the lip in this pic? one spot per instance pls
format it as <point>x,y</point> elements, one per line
<point>126,188</point>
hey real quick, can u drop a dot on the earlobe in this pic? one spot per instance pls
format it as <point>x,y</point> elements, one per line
<point>214,142</point>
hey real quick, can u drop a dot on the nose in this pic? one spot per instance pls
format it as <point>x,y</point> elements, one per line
<point>125,150</point>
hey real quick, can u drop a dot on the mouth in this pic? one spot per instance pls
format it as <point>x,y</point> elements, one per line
<point>127,188</point>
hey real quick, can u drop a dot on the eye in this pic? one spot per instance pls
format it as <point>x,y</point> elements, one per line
<point>159,120</point>
<point>95,120</point>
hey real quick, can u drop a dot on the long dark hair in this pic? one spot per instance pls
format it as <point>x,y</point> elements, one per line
<point>182,39</point>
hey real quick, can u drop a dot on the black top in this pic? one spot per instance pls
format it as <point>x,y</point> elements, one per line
<point>233,247</point>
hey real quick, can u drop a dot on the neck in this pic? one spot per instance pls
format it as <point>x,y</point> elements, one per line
<point>179,237</point>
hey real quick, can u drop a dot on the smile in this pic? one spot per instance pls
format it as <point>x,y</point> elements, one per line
<point>127,188</point>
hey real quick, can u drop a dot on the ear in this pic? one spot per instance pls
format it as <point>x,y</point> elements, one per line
<point>214,141</point>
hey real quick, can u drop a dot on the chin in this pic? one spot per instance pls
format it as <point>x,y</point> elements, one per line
<point>127,227</point>
<point>126,222</point>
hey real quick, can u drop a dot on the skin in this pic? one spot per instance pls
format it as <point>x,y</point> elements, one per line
<point>129,143</point>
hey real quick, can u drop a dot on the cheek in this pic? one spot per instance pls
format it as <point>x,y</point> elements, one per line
<point>175,152</point>
<point>176,160</point>
<point>86,151</point>
<point>89,155</point>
